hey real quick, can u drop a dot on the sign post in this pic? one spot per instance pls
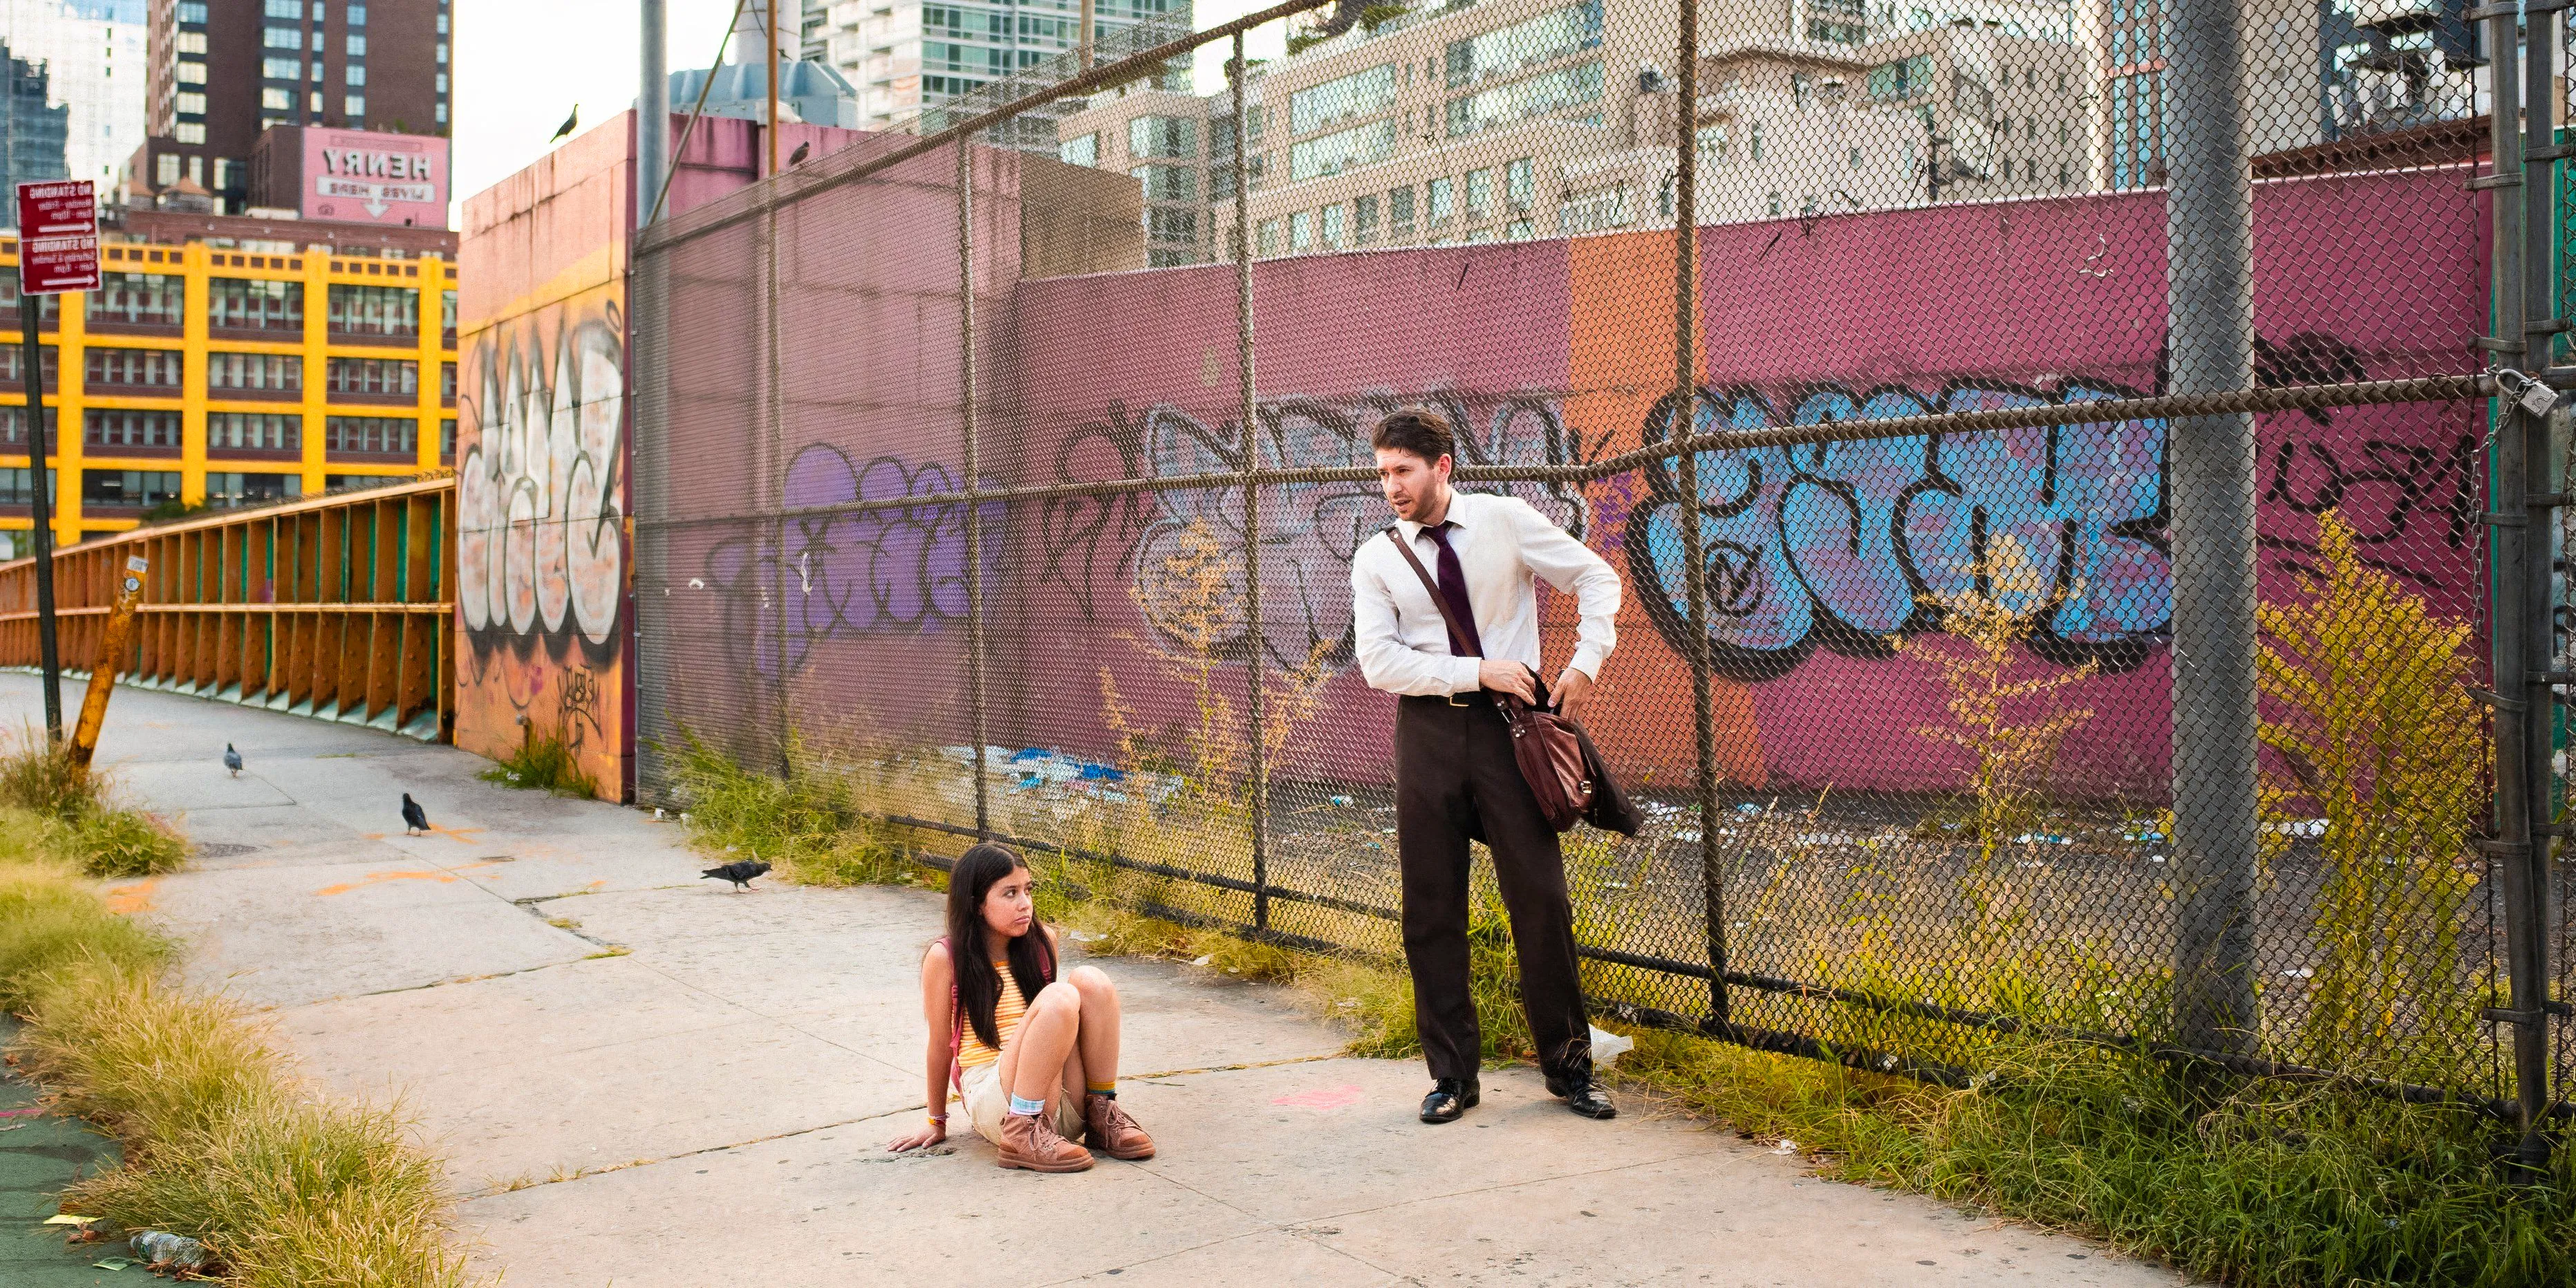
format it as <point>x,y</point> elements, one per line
<point>113,647</point>
<point>57,253</point>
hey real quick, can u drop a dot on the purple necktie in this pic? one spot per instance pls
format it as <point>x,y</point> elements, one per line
<point>1453,587</point>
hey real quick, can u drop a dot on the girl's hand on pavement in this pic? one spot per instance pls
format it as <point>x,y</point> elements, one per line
<point>924,1135</point>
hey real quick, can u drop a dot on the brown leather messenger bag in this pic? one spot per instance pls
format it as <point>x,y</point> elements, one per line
<point>1548,745</point>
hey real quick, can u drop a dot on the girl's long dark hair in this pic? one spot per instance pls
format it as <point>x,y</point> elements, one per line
<point>979,986</point>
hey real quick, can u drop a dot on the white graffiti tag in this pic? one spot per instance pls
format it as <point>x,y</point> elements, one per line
<point>540,534</point>
<point>1310,530</point>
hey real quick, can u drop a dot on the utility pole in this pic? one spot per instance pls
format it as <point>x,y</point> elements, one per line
<point>770,9</point>
<point>653,113</point>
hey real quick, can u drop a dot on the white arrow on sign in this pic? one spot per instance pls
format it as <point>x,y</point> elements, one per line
<point>377,208</point>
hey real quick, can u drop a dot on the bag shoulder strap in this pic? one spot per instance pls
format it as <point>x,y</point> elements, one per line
<point>1395,536</point>
<point>956,1022</point>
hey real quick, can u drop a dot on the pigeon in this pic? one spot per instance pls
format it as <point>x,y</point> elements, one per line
<point>415,819</point>
<point>567,127</point>
<point>740,872</point>
<point>797,157</point>
<point>232,760</point>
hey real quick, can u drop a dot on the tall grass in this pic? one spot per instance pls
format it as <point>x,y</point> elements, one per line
<point>39,775</point>
<point>808,825</point>
<point>2275,1186</point>
<point>220,1141</point>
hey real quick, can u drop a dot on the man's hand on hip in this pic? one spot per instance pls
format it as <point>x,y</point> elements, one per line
<point>1573,693</point>
<point>1507,677</point>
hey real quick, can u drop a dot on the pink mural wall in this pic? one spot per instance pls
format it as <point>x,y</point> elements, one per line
<point>1822,557</point>
<point>1828,563</point>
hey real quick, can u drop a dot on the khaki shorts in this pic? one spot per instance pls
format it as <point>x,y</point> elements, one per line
<point>987,1103</point>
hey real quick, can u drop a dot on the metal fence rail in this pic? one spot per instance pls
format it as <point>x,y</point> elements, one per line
<point>2078,587</point>
<point>335,606</point>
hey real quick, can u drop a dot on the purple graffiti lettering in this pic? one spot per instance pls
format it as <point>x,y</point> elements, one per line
<point>847,574</point>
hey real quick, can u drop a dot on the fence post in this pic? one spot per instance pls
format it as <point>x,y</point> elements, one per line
<point>2525,439</point>
<point>1240,73</point>
<point>974,478</point>
<point>1685,423</point>
<point>772,484</point>
<point>2209,215</point>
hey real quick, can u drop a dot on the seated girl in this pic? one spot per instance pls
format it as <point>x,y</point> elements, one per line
<point>1034,1058</point>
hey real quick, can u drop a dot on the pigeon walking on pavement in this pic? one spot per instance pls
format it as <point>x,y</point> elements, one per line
<point>232,760</point>
<point>739,872</point>
<point>415,819</point>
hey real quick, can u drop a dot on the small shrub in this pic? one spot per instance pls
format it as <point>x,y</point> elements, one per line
<point>543,763</point>
<point>2371,726</point>
<point>2009,727</point>
<point>121,843</point>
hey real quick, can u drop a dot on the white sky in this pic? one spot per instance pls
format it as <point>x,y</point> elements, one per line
<point>521,65</point>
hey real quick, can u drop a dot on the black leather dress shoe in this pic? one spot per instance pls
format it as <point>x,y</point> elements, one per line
<point>1582,1095</point>
<point>1449,1098</point>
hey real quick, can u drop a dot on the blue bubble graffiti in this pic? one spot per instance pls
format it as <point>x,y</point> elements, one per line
<point>1848,545</point>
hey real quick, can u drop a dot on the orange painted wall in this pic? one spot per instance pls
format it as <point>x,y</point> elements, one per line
<point>544,565</point>
<point>1621,364</point>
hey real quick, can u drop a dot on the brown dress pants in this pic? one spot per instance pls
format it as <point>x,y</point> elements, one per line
<point>1456,781</point>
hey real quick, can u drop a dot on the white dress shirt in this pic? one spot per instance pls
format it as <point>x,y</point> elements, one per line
<point>1403,644</point>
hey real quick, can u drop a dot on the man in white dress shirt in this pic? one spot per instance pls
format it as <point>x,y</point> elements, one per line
<point>1456,779</point>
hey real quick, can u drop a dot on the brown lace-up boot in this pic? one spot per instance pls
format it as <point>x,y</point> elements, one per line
<point>1112,1132</point>
<point>1029,1141</point>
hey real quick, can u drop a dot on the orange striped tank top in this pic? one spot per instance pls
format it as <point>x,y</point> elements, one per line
<point>1007,1010</point>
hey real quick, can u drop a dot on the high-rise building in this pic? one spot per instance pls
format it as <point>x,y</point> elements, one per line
<point>32,130</point>
<point>1516,119</point>
<point>95,53</point>
<point>224,72</point>
<point>906,56</point>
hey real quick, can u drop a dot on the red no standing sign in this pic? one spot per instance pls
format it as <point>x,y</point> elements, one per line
<point>57,237</point>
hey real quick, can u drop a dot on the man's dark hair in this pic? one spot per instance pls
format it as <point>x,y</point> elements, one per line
<point>1418,430</point>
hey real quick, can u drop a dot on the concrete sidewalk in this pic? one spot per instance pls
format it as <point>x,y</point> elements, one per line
<point>644,1079</point>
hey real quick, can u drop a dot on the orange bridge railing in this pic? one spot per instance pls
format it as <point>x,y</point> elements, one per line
<point>337,607</point>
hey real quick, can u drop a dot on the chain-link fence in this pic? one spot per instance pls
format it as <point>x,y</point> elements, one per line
<point>2076,581</point>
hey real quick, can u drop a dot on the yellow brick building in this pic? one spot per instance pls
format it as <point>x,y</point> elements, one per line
<point>211,375</point>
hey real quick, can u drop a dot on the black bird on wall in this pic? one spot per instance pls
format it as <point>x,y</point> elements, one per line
<point>567,127</point>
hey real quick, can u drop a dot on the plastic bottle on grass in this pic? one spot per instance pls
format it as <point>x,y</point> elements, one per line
<point>160,1247</point>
